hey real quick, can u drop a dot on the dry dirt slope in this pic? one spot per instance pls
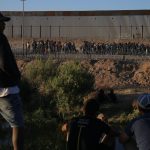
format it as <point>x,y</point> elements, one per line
<point>115,73</point>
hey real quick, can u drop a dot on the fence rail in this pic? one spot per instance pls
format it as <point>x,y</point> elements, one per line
<point>19,53</point>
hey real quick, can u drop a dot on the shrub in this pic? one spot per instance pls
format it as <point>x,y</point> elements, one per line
<point>71,84</point>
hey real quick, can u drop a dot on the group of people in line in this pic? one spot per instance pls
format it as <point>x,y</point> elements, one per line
<point>92,131</point>
<point>128,48</point>
<point>89,131</point>
<point>87,47</point>
<point>50,47</point>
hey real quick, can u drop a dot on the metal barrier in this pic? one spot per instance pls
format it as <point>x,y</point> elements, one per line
<point>19,53</point>
<point>71,32</point>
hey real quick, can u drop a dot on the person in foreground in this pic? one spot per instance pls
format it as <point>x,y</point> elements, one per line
<point>86,132</point>
<point>10,102</point>
<point>139,128</point>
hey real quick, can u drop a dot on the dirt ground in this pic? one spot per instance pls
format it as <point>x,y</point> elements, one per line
<point>125,77</point>
<point>116,74</point>
<point>119,74</point>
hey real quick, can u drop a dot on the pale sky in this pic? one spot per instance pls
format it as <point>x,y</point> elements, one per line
<point>59,5</point>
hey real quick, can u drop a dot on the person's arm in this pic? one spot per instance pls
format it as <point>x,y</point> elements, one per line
<point>123,138</point>
<point>106,137</point>
<point>1,55</point>
<point>109,134</point>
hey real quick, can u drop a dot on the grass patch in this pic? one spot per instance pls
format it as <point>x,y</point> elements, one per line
<point>118,114</point>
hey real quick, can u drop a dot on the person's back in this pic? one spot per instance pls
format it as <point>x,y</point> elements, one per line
<point>139,128</point>
<point>85,133</point>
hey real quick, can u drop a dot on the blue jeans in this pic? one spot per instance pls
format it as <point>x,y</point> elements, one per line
<point>11,110</point>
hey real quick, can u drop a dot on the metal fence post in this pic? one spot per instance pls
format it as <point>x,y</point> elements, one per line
<point>21,31</point>
<point>31,31</point>
<point>12,31</point>
<point>40,31</point>
<point>59,31</point>
<point>131,32</point>
<point>120,31</point>
<point>142,31</point>
<point>50,31</point>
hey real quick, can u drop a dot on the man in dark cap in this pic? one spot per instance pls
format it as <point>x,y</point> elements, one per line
<point>139,128</point>
<point>10,102</point>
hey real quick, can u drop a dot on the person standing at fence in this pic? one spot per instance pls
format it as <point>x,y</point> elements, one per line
<point>10,102</point>
<point>28,47</point>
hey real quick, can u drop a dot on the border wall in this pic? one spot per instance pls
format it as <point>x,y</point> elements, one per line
<point>106,25</point>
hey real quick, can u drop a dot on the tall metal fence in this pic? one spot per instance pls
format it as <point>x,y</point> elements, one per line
<point>101,32</point>
<point>24,54</point>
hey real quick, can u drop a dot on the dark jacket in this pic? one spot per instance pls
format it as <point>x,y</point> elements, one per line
<point>85,133</point>
<point>9,72</point>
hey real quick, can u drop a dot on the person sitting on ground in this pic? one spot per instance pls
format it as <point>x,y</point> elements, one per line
<point>112,96</point>
<point>102,97</point>
<point>139,128</point>
<point>86,131</point>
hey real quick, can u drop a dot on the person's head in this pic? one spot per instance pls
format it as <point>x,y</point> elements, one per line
<point>143,102</point>
<point>91,107</point>
<point>3,19</point>
<point>111,91</point>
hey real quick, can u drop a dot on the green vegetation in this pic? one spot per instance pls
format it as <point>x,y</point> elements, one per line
<point>71,83</point>
<point>51,93</point>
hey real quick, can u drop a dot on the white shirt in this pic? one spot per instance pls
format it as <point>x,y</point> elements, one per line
<point>9,90</point>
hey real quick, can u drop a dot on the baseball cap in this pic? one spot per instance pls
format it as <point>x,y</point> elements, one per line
<point>4,18</point>
<point>144,101</point>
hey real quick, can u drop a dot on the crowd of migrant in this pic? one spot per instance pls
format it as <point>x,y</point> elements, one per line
<point>87,47</point>
<point>50,46</point>
<point>115,48</point>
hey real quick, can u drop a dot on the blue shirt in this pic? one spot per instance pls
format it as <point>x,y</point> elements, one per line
<point>140,129</point>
